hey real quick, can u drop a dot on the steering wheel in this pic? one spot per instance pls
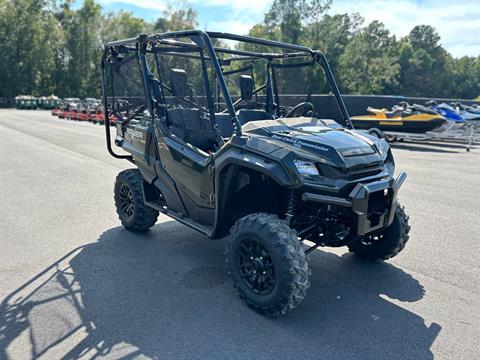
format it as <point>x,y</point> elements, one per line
<point>301,109</point>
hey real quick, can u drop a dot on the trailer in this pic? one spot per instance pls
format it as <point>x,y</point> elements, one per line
<point>467,133</point>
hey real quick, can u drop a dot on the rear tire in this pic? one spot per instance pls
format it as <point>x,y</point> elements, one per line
<point>267,264</point>
<point>386,244</point>
<point>131,209</point>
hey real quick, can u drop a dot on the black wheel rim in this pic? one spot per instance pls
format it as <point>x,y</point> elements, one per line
<point>255,266</point>
<point>126,201</point>
<point>372,239</point>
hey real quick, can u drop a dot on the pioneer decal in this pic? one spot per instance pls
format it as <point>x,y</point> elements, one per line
<point>135,134</point>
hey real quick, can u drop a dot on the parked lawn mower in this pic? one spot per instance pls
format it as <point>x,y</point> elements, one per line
<point>72,113</point>
<point>91,114</point>
<point>75,110</point>
<point>84,112</point>
<point>65,107</point>
<point>62,111</point>
<point>97,116</point>
<point>56,110</point>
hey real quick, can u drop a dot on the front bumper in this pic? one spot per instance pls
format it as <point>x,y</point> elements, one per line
<point>372,204</point>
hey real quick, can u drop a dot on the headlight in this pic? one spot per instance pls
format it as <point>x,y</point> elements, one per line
<point>383,148</point>
<point>389,163</point>
<point>306,168</point>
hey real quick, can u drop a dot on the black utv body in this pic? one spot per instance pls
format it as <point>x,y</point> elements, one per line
<point>218,147</point>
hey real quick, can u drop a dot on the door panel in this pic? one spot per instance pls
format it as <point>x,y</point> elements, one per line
<point>190,171</point>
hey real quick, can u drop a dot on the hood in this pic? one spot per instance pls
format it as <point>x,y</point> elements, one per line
<point>318,140</point>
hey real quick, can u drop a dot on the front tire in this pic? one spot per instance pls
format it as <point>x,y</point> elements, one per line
<point>386,244</point>
<point>131,209</point>
<point>267,264</point>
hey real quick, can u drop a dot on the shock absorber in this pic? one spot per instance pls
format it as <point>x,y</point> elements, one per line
<point>292,199</point>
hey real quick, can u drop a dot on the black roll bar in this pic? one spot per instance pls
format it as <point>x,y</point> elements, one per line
<point>202,39</point>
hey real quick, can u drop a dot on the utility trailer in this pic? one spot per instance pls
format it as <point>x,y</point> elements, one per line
<point>468,134</point>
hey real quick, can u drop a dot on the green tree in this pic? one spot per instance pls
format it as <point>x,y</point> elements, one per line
<point>23,25</point>
<point>175,20</point>
<point>369,64</point>
<point>122,25</point>
<point>423,62</point>
<point>48,46</point>
<point>332,34</point>
<point>90,46</point>
<point>81,49</point>
<point>466,77</point>
<point>287,19</point>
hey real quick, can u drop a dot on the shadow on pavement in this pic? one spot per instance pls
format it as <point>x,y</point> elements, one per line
<point>166,294</point>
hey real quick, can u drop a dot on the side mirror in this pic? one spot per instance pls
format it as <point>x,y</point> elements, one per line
<point>246,87</point>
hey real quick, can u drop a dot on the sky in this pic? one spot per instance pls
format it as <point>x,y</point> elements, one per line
<point>457,21</point>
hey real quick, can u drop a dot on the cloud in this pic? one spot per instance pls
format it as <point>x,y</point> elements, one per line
<point>231,26</point>
<point>239,16</point>
<point>457,22</point>
<point>245,6</point>
<point>250,6</point>
<point>159,6</point>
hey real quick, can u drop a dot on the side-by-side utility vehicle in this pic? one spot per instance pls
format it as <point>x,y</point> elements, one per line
<point>228,141</point>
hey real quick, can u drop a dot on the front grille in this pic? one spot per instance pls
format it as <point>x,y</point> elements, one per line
<point>350,174</point>
<point>378,201</point>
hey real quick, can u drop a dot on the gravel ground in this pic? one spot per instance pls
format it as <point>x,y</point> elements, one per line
<point>74,284</point>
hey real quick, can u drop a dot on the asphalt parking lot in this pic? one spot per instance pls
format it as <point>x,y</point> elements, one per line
<point>74,284</point>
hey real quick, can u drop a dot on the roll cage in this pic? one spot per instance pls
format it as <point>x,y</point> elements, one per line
<point>201,47</point>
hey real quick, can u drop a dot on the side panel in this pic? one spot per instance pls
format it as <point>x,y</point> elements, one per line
<point>138,140</point>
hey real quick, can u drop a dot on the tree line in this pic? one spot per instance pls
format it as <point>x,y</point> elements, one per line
<point>48,47</point>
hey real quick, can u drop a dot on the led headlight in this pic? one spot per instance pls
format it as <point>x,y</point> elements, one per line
<point>383,148</point>
<point>306,168</point>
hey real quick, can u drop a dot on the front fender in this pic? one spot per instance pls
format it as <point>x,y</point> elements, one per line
<point>241,159</point>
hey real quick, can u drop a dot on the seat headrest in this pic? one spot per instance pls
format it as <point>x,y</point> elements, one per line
<point>178,82</point>
<point>246,87</point>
